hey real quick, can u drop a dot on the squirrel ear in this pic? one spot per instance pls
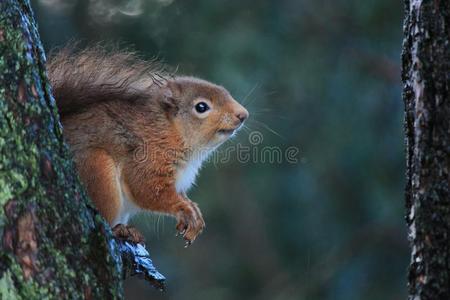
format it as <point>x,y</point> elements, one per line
<point>168,101</point>
<point>171,92</point>
<point>174,88</point>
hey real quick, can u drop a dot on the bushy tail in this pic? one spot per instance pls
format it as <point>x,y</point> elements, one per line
<point>83,78</point>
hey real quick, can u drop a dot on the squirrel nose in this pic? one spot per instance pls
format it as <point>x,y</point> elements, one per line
<point>242,115</point>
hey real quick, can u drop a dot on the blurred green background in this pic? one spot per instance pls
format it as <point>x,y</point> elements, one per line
<point>322,76</point>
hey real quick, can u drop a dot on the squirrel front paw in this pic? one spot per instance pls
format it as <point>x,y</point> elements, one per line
<point>190,222</point>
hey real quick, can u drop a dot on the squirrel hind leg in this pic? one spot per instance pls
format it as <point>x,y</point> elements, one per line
<point>128,233</point>
<point>99,174</point>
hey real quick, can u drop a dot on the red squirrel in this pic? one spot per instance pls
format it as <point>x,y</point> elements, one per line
<point>138,135</point>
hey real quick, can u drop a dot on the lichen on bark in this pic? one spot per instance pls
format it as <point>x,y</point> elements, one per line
<point>54,244</point>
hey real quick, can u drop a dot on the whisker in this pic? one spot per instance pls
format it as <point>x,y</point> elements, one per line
<point>157,226</point>
<point>248,95</point>
<point>263,110</point>
<point>262,95</point>
<point>154,219</point>
<point>269,128</point>
<point>246,129</point>
<point>249,128</point>
<point>271,115</point>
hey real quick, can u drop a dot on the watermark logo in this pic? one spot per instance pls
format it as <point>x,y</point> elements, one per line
<point>255,138</point>
<point>255,151</point>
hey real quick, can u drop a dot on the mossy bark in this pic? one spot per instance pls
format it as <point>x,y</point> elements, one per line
<point>426,79</point>
<point>53,244</point>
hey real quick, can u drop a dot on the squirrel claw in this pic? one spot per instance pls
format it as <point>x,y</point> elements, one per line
<point>190,222</point>
<point>181,230</point>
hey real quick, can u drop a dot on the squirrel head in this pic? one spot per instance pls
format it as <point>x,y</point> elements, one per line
<point>205,114</point>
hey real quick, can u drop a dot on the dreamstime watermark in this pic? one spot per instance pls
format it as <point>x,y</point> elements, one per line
<point>253,152</point>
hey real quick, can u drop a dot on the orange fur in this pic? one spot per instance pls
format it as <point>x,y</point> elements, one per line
<point>97,169</point>
<point>137,143</point>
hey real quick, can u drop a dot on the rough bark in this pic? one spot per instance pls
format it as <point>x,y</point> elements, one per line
<point>426,79</point>
<point>53,242</point>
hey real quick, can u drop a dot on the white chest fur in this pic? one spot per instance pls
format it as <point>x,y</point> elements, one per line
<point>185,178</point>
<point>127,206</point>
<point>187,173</point>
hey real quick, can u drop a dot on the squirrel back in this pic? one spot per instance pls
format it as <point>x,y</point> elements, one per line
<point>94,75</point>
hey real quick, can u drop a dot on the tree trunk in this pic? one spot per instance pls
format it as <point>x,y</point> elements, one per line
<point>54,245</point>
<point>426,79</point>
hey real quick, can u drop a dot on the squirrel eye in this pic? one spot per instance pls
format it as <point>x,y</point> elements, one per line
<point>201,107</point>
